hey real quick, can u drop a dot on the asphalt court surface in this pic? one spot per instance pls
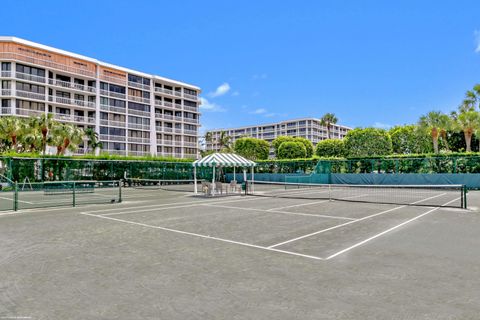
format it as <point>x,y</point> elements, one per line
<point>176,256</point>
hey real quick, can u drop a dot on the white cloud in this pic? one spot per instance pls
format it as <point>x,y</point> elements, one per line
<point>259,111</point>
<point>260,76</point>
<point>210,106</point>
<point>380,125</point>
<point>220,91</point>
<point>476,34</point>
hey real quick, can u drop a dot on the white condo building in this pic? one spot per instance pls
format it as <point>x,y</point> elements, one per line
<point>134,113</point>
<point>309,128</point>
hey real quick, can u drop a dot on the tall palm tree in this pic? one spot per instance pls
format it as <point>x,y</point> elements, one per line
<point>92,139</point>
<point>468,122</point>
<point>224,141</point>
<point>31,136</point>
<point>432,122</point>
<point>46,123</point>
<point>327,120</point>
<point>445,124</point>
<point>67,137</point>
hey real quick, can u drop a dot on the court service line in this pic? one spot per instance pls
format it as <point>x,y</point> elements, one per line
<point>311,203</point>
<point>10,199</point>
<point>277,211</point>
<point>350,222</point>
<point>204,236</point>
<point>387,231</point>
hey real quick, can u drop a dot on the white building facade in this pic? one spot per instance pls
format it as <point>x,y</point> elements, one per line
<point>309,128</point>
<point>134,113</point>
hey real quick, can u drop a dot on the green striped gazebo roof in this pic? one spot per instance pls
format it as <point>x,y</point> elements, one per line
<point>224,160</point>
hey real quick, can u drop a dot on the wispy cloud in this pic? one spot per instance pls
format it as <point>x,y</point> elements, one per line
<point>259,111</point>
<point>260,76</point>
<point>220,91</point>
<point>476,34</point>
<point>210,106</point>
<point>380,125</point>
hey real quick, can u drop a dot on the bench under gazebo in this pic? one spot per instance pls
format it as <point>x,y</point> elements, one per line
<point>223,160</point>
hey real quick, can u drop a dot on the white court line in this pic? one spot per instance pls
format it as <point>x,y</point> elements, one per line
<point>347,223</point>
<point>277,211</point>
<point>205,236</point>
<point>387,231</point>
<point>4,198</point>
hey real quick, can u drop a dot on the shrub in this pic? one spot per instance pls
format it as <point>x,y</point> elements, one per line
<point>291,150</point>
<point>252,148</point>
<point>330,148</point>
<point>368,142</point>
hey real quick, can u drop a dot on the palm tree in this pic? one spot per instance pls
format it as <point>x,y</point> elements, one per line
<point>31,136</point>
<point>67,137</point>
<point>432,123</point>
<point>10,128</point>
<point>327,120</point>
<point>445,124</point>
<point>92,139</point>
<point>46,123</point>
<point>468,122</point>
<point>224,142</point>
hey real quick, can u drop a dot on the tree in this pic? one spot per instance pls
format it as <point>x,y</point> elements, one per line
<point>10,128</point>
<point>92,139</point>
<point>432,123</point>
<point>308,146</point>
<point>327,120</point>
<point>367,142</point>
<point>252,148</point>
<point>30,137</point>
<point>67,137</point>
<point>330,148</point>
<point>291,150</point>
<point>278,141</point>
<point>224,142</point>
<point>445,125</point>
<point>468,122</point>
<point>46,123</point>
<point>409,139</point>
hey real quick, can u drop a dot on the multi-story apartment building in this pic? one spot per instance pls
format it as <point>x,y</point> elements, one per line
<point>310,128</point>
<point>134,113</point>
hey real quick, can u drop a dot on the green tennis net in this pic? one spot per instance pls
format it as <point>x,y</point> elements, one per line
<point>414,195</point>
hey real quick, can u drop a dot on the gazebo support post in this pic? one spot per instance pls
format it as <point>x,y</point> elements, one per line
<point>195,180</point>
<point>234,175</point>
<point>213,181</point>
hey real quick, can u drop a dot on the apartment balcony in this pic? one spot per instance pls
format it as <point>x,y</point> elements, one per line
<point>138,85</point>
<point>139,126</point>
<point>139,99</point>
<point>190,132</point>
<point>139,113</point>
<point>69,101</point>
<point>6,110</point>
<point>177,93</point>
<point>178,106</point>
<point>111,123</point>
<point>189,108</point>
<point>105,107</point>
<point>29,77</point>
<point>72,86</point>
<point>178,131</point>
<point>6,92</point>
<point>119,152</point>
<point>167,130</point>
<point>167,104</point>
<point>111,94</point>
<point>29,112</point>
<point>30,95</point>
<point>73,118</point>
<point>190,155</point>
<point>107,137</point>
<point>166,154</point>
<point>5,74</point>
<point>190,120</point>
<point>190,144</point>
<point>164,91</point>
<point>166,142</point>
<point>190,96</point>
<point>139,140</point>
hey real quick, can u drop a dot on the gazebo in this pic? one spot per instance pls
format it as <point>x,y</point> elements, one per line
<point>218,160</point>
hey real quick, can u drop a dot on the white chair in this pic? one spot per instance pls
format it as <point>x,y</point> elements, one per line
<point>218,187</point>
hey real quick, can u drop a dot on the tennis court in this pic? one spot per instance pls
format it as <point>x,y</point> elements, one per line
<point>291,254</point>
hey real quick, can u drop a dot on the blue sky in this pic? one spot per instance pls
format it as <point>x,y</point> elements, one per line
<point>372,63</point>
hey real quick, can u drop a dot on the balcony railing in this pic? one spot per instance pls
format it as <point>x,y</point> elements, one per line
<point>105,107</point>
<point>178,106</point>
<point>112,137</point>
<point>189,108</point>
<point>139,113</point>
<point>178,93</point>
<point>139,153</point>
<point>72,85</point>
<point>29,112</point>
<point>29,77</point>
<point>73,118</point>
<point>190,132</point>
<point>6,110</point>
<point>191,120</point>
<point>69,101</point>
<point>119,152</point>
<point>30,95</point>
<point>139,126</point>
<point>190,144</point>
<point>139,99</point>
<point>5,74</point>
<point>6,92</point>
<point>138,85</point>
<point>190,96</point>
<point>139,140</point>
<point>112,123</point>
<point>112,94</point>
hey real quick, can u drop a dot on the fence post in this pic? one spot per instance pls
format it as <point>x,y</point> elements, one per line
<point>73,194</point>
<point>465,190</point>
<point>120,191</point>
<point>15,197</point>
